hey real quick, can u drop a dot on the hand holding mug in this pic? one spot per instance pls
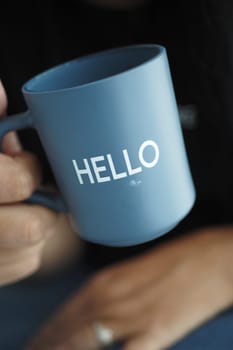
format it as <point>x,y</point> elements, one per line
<point>24,229</point>
<point>110,127</point>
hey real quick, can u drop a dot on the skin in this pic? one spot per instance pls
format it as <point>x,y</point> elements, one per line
<point>25,230</point>
<point>150,301</point>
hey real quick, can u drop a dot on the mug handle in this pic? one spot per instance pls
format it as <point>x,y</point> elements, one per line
<point>22,121</point>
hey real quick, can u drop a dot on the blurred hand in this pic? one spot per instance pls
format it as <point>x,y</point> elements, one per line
<point>150,301</point>
<point>24,229</point>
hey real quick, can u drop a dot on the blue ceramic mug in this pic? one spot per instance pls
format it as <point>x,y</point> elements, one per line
<point>110,127</point>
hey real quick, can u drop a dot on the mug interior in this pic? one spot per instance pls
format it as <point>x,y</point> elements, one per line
<point>92,68</point>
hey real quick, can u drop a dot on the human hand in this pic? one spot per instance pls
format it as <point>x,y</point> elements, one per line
<point>152,300</point>
<point>24,229</point>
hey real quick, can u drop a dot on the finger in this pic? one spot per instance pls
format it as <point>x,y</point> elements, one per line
<point>98,303</point>
<point>122,325</point>
<point>25,225</point>
<point>143,341</point>
<point>78,339</point>
<point>86,341</point>
<point>3,100</point>
<point>19,176</point>
<point>11,143</point>
<point>88,338</point>
<point>151,339</point>
<point>23,264</point>
<point>82,310</point>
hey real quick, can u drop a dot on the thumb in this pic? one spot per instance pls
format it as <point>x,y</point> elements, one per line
<point>11,143</point>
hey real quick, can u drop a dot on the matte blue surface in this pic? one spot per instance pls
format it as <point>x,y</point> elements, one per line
<point>107,104</point>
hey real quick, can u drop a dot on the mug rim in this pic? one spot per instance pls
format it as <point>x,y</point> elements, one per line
<point>28,91</point>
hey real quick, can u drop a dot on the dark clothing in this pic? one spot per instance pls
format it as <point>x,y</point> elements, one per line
<point>198,40</point>
<point>198,36</point>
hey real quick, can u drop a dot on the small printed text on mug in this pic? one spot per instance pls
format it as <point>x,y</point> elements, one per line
<point>93,169</point>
